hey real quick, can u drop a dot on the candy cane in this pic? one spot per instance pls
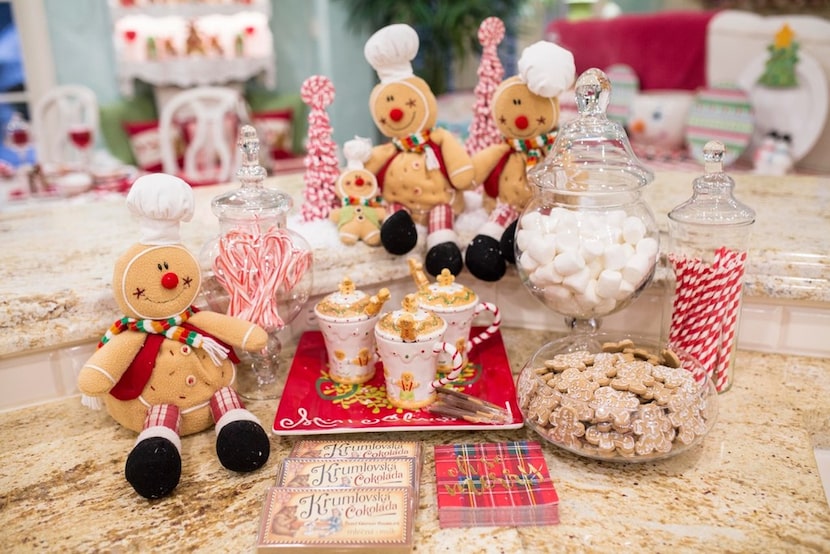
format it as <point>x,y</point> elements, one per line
<point>252,267</point>
<point>457,363</point>
<point>494,326</point>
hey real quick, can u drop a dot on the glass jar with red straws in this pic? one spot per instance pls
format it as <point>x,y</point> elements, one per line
<point>709,236</point>
<point>256,269</point>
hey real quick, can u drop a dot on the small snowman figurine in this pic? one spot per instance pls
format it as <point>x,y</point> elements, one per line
<point>773,156</point>
<point>361,212</point>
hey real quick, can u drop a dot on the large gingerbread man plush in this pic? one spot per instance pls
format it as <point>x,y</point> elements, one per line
<point>423,170</point>
<point>360,213</point>
<point>167,369</point>
<point>526,111</point>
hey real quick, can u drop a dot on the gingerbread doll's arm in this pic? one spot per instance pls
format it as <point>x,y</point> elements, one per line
<point>380,155</point>
<point>106,366</point>
<point>234,331</point>
<point>458,162</point>
<point>486,160</point>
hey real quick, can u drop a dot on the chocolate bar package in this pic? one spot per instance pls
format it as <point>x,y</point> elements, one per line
<point>371,519</point>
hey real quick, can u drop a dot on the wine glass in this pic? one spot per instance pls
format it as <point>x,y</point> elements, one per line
<point>80,135</point>
<point>587,242</point>
<point>18,138</point>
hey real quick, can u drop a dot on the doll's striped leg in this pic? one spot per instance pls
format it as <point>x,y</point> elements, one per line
<point>442,242</point>
<point>241,443</point>
<point>154,465</point>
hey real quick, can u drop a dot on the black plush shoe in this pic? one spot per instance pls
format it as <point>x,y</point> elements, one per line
<point>484,259</point>
<point>398,233</point>
<point>154,467</point>
<point>243,446</point>
<point>508,243</point>
<point>444,255</point>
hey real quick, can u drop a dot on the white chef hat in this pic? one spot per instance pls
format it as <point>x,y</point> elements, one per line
<point>161,202</point>
<point>357,151</point>
<point>391,51</point>
<point>547,69</point>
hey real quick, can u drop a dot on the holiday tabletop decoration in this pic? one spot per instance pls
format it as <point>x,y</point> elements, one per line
<point>525,108</point>
<point>166,369</point>
<point>483,130</point>
<point>321,166</point>
<point>361,211</point>
<point>422,169</point>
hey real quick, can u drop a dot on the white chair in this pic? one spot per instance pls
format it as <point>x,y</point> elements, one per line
<point>202,121</point>
<point>54,114</point>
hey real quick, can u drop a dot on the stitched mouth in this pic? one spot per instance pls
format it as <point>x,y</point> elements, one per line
<point>404,126</point>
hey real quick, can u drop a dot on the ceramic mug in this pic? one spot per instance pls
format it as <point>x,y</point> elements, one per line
<point>347,320</point>
<point>409,342</point>
<point>350,346</point>
<point>459,323</point>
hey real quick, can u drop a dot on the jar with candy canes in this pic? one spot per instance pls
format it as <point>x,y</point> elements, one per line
<point>256,269</point>
<point>587,243</point>
<point>709,236</point>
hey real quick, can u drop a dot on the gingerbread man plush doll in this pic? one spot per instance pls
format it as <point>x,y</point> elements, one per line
<point>167,369</point>
<point>423,170</point>
<point>526,111</point>
<point>361,212</point>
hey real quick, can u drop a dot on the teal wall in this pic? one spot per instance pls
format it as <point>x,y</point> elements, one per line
<point>310,37</point>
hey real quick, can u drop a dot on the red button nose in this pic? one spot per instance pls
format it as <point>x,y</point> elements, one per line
<point>170,280</point>
<point>358,182</point>
<point>396,114</point>
<point>521,122</point>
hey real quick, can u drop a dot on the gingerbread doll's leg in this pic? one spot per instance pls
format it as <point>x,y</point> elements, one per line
<point>398,233</point>
<point>241,443</point>
<point>491,248</point>
<point>154,465</point>
<point>442,242</point>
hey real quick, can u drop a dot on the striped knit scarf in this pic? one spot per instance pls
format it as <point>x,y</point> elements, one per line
<point>373,202</point>
<point>419,142</point>
<point>534,148</point>
<point>171,328</point>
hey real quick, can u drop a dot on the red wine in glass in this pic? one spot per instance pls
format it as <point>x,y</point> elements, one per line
<point>81,136</point>
<point>19,138</point>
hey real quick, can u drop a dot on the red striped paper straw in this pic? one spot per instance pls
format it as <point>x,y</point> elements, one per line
<point>735,263</point>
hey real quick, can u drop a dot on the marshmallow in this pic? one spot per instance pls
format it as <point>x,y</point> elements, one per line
<point>568,263</point>
<point>591,249</point>
<point>543,250</point>
<point>608,283</point>
<point>588,300</point>
<point>633,229</point>
<point>531,220</point>
<point>637,268</point>
<point>614,256</point>
<point>578,281</point>
<point>527,262</point>
<point>567,241</point>
<point>626,290</point>
<point>648,247</point>
<point>526,237</point>
<point>546,275</point>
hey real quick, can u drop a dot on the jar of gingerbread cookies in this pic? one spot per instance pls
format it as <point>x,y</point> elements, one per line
<point>626,400</point>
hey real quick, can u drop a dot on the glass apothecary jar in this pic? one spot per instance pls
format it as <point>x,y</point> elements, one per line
<point>256,268</point>
<point>587,242</point>
<point>709,237</point>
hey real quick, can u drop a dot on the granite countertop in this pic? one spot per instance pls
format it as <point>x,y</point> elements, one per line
<point>57,258</point>
<point>751,485</point>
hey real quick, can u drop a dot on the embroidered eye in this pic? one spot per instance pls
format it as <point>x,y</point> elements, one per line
<point>517,101</point>
<point>390,98</point>
<point>163,266</point>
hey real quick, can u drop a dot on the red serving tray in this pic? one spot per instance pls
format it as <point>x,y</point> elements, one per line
<point>313,404</point>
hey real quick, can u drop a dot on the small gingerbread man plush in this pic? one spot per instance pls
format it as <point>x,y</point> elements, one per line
<point>361,212</point>
<point>423,169</point>
<point>166,369</point>
<point>526,111</point>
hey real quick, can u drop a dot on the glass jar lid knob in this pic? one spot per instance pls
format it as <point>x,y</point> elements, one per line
<point>593,92</point>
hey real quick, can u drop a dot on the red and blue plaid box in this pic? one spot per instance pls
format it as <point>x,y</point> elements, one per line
<point>494,484</point>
